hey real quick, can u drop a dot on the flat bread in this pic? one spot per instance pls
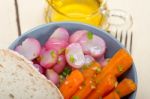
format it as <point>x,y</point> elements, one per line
<point>20,80</point>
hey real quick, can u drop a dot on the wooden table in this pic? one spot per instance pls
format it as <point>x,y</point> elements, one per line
<point>18,16</point>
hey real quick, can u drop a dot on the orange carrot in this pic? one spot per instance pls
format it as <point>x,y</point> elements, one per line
<point>71,84</point>
<point>112,95</point>
<point>125,87</point>
<point>85,89</point>
<point>91,70</point>
<point>104,87</point>
<point>88,85</point>
<point>117,65</point>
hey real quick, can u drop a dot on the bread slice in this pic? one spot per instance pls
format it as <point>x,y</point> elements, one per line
<point>20,80</point>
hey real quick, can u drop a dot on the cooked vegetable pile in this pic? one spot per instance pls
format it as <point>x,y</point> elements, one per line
<point>77,65</point>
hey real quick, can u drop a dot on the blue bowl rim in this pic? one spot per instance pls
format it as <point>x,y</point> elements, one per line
<point>77,23</point>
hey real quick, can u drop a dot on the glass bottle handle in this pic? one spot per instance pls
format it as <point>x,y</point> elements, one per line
<point>117,19</point>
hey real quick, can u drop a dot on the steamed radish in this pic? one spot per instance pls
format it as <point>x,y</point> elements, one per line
<point>43,49</point>
<point>60,34</point>
<point>103,61</point>
<point>48,58</point>
<point>39,68</point>
<point>60,64</point>
<point>93,45</point>
<point>56,45</point>
<point>30,48</point>
<point>77,35</point>
<point>52,75</point>
<point>88,59</point>
<point>75,55</point>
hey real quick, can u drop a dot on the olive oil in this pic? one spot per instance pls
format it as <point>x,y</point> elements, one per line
<point>86,11</point>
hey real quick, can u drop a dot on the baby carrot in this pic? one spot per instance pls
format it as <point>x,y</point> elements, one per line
<point>125,87</point>
<point>85,89</point>
<point>112,95</point>
<point>117,65</point>
<point>88,85</point>
<point>104,87</point>
<point>72,83</point>
<point>91,70</point>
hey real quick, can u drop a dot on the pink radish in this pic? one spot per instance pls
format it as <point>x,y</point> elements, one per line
<point>77,35</point>
<point>56,45</point>
<point>75,55</point>
<point>52,75</point>
<point>103,61</point>
<point>43,49</point>
<point>60,34</point>
<point>60,64</point>
<point>93,45</point>
<point>48,58</point>
<point>39,68</point>
<point>30,48</point>
<point>88,59</point>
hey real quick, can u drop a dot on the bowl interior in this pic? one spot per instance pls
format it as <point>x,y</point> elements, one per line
<point>43,32</point>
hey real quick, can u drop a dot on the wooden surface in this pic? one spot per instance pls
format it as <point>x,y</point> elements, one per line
<point>31,14</point>
<point>8,27</point>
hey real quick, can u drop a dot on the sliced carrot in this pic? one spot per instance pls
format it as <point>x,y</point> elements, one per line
<point>104,87</point>
<point>125,87</point>
<point>91,70</point>
<point>71,84</point>
<point>117,65</point>
<point>112,95</point>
